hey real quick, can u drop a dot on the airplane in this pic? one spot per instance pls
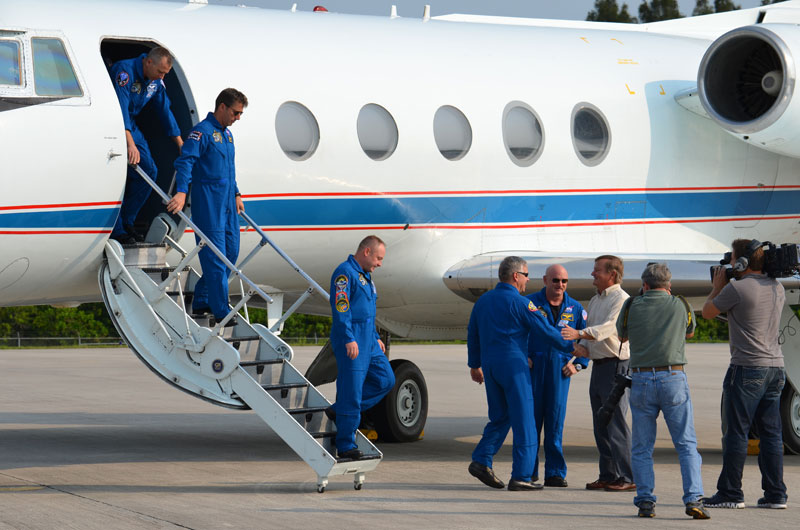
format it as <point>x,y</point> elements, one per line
<point>458,139</point>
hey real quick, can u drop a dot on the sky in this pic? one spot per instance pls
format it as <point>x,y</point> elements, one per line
<point>560,9</point>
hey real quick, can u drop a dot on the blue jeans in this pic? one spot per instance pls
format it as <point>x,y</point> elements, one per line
<point>667,392</point>
<point>751,395</point>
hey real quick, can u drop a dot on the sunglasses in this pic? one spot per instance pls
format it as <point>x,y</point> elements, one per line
<point>523,273</point>
<point>559,280</point>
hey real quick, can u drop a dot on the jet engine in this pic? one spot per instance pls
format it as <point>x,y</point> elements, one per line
<point>746,83</point>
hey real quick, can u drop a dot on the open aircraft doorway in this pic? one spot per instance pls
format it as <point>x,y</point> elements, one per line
<point>183,108</point>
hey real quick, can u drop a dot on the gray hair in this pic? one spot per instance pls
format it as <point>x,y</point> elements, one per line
<point>509,266</point>
<point>158,54</point>
<point>657,276</point>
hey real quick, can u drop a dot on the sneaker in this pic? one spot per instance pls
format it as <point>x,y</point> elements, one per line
<point>716,501</point>
<point>764,503</point>
<point>647,509</point>
<point>696,510</point>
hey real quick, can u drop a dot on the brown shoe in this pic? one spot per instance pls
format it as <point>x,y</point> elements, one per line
<point>598,484</point>
<point>621,485</point>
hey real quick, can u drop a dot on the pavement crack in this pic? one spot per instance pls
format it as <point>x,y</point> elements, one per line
<point>96,501</point>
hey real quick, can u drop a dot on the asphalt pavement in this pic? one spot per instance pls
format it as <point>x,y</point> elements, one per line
<point>91,439</point>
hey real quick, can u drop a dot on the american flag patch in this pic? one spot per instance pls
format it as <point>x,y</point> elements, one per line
<point>195,135</point>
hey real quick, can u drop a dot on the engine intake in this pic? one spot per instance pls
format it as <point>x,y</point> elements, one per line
<point>746,82</point>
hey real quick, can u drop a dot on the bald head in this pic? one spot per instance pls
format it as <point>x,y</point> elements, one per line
<point>555,283</point>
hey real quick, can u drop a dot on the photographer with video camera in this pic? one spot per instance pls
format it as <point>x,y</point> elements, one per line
<point>751,390</point>
<point>657,324</point>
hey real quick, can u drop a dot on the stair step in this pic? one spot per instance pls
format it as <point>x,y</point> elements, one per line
<point>306,410</point>
<point>241,339</point>
<point>261,363</point>
<point>281,386</point>
<point>323,434</point>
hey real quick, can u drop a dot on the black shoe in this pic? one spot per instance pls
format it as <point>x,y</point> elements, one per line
<point>521,485</point>
<point>485,475</point>
<point>352,454</point>
<point>696,510</point>
<point>201,312</point>
<point>554,482</point>
<point>137,237</point>
<point>648,509</point>
<point>232,322</point>
<point>775,505</point>
<point>124,239</point>
<point>717,501</point>
<point>331,414</point>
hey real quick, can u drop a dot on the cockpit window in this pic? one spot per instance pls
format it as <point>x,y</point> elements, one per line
<point>53,74</point>
<point>9,63</point>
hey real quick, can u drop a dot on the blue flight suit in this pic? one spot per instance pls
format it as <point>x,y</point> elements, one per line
<point>550,387</point>
<point>207,162</point>
<point>134,91</point>
<point>497,337</point>
<point>362,382</point>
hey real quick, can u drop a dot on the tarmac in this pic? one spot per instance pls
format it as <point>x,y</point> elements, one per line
<point>91,439</point>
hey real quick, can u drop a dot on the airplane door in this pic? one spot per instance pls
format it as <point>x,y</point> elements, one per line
<point>162,148</point>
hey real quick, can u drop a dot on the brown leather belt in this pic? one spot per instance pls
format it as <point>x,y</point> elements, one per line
<point>672,368</point>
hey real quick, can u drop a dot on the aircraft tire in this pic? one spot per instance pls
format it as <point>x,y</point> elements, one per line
<point>790,417</point>
<point>400,416</point>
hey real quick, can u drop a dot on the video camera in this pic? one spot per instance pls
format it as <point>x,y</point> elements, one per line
<point>780,261</point>
<point>621,382</point>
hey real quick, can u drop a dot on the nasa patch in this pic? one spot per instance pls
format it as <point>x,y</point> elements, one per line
<point>136,88</point>
<point>195,135</point>
<point>123,78</point>
<point>151,89</point>
<point>569,317</point>
<point>362,279</point>
<point>340,282</point>
<point>342,305</point>
<point>531,306</point>
<point>584,314</point>
<point>229,135</point>
<point>217,136</point>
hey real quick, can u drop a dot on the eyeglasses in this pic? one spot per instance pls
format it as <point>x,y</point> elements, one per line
<point>237,112</point>
<point>523,273</point>
<point>559,280</point>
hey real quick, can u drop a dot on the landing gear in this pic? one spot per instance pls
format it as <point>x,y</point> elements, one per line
<point>401,415</point>
<point>790,417</point>
<point>358,481</point>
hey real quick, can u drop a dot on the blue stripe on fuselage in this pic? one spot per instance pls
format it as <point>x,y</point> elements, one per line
<point>467,210</point>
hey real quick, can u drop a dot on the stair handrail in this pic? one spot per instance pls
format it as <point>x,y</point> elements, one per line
<point>266,240</point>
<point>255,289</point>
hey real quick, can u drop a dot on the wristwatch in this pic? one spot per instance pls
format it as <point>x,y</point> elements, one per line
<point>578,367</point>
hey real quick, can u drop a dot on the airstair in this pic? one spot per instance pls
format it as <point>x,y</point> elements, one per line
<point>241,366</point>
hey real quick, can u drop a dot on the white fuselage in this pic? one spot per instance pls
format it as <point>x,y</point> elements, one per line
<point>672,181</point>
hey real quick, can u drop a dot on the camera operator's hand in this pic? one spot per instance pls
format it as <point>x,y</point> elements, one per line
<point>720,280</point>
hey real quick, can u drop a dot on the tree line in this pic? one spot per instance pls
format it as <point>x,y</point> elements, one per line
<point>92,321</point>
<point>656,10</point>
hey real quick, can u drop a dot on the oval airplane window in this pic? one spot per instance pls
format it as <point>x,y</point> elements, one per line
<point>522,133</point>
<point>377,132</point>
<point>452,132</point>
<point>297,130</point>
<point>590,134</point>
<point>9,63</point>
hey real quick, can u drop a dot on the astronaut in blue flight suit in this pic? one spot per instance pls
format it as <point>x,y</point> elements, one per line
<point>207,162</point>
<point>138,82</point>
<point>364,372</point>
<point>497,336</point>
<point>551,371</point>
